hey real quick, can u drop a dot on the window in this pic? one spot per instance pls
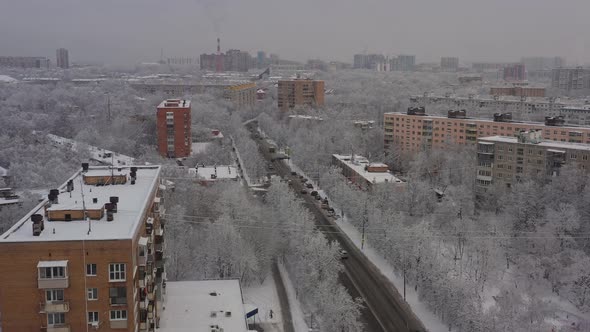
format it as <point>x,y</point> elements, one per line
<point>92,317</point>
<point>91,270</point>
<point>573,156</point>
<point>54,295</point>
<point>55,272</point>
<point>56,318</point>
<point>93,293</point>
<point>117,272</point>
<point>118,314</point>
<point>118,295</point>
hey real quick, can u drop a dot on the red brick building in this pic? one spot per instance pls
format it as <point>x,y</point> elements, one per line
<point>174,128</point>
<point>90,256</point>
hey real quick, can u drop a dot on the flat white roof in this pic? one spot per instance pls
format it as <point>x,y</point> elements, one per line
<point>359,167</point>
<point>52,263</point>
<point>133,200</point>
<point>222,172</point>
<point>190,307</point>
<point>180,103</point>
<point>548,144</point>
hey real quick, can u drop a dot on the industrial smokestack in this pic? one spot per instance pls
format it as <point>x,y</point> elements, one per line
<point>219,62</point>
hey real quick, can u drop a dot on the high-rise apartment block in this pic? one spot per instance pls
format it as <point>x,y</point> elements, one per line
<point>174,128</point>
<point>449,63</point>
<point>506,160</point>
<point>62,57</point>
<point>89,257</point>
<point>571,78</point>
<point>514,72</point>
<point>538,63</point>
<point>300,92</point>
<point>517,91</point>
<point>232,60</point>
<point>416,131</point>
<point>24,62</point>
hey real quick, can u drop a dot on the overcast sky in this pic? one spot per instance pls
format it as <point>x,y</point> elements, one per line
<point>129,31</point>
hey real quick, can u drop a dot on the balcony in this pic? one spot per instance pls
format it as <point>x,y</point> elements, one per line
<point>55,306</point>
<point>58,328</point>
<point>53,283</point>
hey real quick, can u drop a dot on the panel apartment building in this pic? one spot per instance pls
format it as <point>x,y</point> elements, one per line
<point>90,256</point>
<point>415,130</point>
<point>504,161</point>
<point>174,128</point>
<point>300,92</point>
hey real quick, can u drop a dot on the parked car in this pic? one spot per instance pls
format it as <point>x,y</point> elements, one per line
<point>294,173</point>
<point>318,197</point>
<point>314,193</point>
<point>304,180</point>
<point>271,167</point>
<point>309,186</point>
<point>304,191</point>
<point>343,254</point>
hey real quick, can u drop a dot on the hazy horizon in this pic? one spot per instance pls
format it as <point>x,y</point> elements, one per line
<point>133,31</point>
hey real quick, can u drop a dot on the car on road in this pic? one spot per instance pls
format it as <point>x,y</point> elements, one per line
<point>343,254</point>
<point>303,191</point>
<point>304,180</point>
<point>318,197</point>
<point>294,173</point>
<point>314,193</point>
<point>309,186</point>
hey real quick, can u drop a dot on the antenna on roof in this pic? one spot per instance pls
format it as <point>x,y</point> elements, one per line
<point>84,206</point>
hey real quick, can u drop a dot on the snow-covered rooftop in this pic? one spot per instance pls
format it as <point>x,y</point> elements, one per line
<point>548,144</point>
<point>133,201</point>
<point>102,156</point>
<point>175,103</point>
<point>358,166</point>
<point>3,171</point>
<point>7,79</point>
<point>191,307</point>
<point>221,172</point>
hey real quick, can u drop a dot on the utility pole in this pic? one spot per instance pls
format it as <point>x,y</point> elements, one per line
<point>365,217</point>
<point>109,107</point>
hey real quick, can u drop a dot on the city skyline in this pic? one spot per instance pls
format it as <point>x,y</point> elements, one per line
<point>429,30</point>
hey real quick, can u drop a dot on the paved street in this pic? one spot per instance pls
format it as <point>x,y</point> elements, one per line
<point>385,309</point>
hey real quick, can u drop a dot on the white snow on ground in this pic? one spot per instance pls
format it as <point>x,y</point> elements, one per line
<point>199,147</point>
<point>430,320</point>
<point>296,312</point>
<point>265,298</point>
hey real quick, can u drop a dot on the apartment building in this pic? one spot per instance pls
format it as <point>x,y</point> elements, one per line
<point>62,57</point>
<point>514,72</point>
<point>538,63</point>
<point>174,128</point>
<point>515,104</point>
<point>242,95</point>
<point>300,92</point>
<point>571,78</point>
<point>576,115</point>
<point>24,62</point>
<point>504,161</point>
<point>517,91</point>
<point>415,130</point>
<point>90,256</point>
<point>449,63</point>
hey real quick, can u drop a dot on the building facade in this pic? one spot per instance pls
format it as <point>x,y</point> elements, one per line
<point>415,130</point>
<point>571,78</point>
<point>517,91</point>
<point>174,128</point>
<point>24,62</point>
<point>503,161</point>
<point>242,95</point>
<point>90,256</point>
<point>232,60</point>
<point>514,72</point>
<point>449,63</point>
<point>538,63</point>
<point>62,57</point>
<point>300,92</point>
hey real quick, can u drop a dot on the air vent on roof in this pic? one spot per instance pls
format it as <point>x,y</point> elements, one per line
<point>213,314</point>
<point>70,186</point>
<point>38,225</point>
<point>228,314</point>
<point>213,293</point>
<point>84,167</point>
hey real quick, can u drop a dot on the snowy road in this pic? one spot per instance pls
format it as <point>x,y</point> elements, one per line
<point>385,309</point>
